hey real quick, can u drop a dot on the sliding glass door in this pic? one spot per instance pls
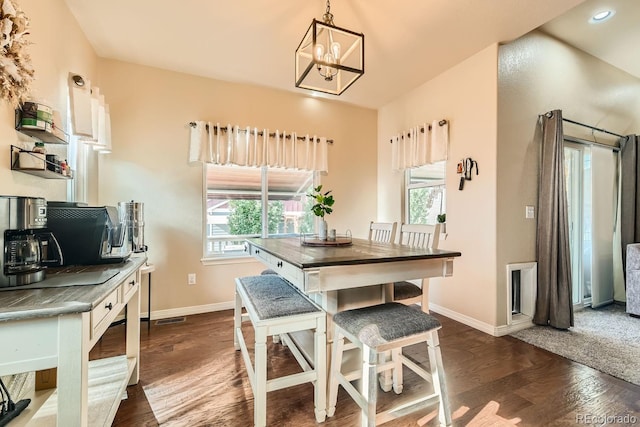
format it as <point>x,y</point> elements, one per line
<point>576,166</point>
<point>591,184</point>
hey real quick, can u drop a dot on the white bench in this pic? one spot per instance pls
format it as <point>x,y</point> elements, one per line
<point>275,307</point>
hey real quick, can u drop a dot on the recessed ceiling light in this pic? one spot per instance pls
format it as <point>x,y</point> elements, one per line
<point>602,16</point>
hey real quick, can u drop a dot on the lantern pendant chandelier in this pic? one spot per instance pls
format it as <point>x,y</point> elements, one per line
<point>329,59</point>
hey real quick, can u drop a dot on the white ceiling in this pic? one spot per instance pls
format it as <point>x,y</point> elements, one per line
<point>407,42</point>
<point>615,41</point>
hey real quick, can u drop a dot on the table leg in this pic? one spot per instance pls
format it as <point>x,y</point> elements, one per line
<point>386,378</point>
<point>149,306</point>
<point>148,317</point>
<point>73,369</point>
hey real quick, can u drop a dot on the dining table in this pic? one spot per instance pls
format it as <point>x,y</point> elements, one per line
<point>349,272</point>
<point>346,273</point>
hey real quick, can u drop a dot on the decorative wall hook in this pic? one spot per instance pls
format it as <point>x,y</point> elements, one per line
<point>465,168</point>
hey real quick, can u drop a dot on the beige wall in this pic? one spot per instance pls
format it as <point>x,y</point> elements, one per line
<point>150,109</point>
<point>58,47</point>
<point>466,95</point>
<point>492,116</point>
<point>493,111</point>
<point>537,74</point>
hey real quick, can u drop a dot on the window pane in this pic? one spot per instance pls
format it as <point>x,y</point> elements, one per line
<point>425,193</point>
<point>234,206</point>
<point>425,204</point>
<point>289,211</point>
<point>427,173</point>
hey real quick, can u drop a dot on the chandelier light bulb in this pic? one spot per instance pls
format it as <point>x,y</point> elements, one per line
<point>335,49</point>
<point>319,51</point>
<point>329,59</point>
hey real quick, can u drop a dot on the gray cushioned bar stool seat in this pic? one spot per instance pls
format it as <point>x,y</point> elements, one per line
<point>267,271</point>
<point>275,307</point>
<point>405,290</point>
<point>380,328</point>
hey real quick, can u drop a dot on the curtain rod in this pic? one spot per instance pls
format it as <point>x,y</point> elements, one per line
<point>260,133</point>
<point>549,114</point>
<point>440,123</point>
<point>593,128</point>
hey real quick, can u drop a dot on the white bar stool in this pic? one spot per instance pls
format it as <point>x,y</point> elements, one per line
<point>275,307</point>
<point>380,328</point>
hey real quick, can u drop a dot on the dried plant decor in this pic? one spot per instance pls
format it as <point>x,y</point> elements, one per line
<point>16,73</point>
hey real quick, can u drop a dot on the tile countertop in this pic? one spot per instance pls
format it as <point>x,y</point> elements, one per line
<point>45,301</point>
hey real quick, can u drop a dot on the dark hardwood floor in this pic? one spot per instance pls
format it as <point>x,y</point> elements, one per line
<point>190,375</point>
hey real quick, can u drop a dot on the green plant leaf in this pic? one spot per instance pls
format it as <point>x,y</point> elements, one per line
<point>323,201</point>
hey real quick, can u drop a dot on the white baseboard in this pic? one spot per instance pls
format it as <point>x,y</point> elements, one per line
<point>514,327</point>
<point>496,331</point>
<point>185,311</point>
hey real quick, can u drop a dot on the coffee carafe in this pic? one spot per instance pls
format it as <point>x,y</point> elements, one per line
<point>28,247</point>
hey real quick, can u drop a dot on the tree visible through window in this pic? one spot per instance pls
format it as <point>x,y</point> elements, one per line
<point>425,193</point>
<point>245,217</point>
<point>235,208</point>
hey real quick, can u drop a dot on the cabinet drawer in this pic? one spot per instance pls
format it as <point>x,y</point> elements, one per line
<point>288,271</point>
<point>129,286</point>
<point>260,254</point>
<point>105,311</point>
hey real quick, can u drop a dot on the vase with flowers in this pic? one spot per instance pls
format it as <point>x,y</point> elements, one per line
<point>323,202</point>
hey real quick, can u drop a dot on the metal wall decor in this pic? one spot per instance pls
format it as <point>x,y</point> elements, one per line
<point>329,59</point>
<point>465,168</point>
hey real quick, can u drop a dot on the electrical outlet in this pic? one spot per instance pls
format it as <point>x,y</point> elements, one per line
<point>191,278</point>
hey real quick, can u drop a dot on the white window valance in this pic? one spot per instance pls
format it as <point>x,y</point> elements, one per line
<point>420,145</point>
<point>232,145</point>
<point>90,116</point>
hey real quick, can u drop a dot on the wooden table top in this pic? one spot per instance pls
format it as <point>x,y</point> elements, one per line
<point>361,251</point>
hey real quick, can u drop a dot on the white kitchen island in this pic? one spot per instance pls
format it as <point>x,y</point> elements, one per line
<point>56,326</point>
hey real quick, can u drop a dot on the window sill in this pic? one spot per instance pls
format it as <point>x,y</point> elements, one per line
<point>240,259</point>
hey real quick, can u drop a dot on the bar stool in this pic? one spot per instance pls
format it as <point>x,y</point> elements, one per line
<point>379,328</point>
<point>275,307</point>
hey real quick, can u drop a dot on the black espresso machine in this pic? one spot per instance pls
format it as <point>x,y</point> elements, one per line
<point>88,235</point>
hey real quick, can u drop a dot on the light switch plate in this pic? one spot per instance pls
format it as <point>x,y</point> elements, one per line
<point>530,212</point>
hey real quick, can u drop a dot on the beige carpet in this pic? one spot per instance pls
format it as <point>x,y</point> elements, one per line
<point>606,339</point>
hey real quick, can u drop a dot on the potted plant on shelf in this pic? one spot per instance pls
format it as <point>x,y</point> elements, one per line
<point>322,206</point>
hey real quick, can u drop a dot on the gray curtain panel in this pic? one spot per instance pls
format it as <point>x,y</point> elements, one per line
<point>554,305</point>
<point>629,202</point>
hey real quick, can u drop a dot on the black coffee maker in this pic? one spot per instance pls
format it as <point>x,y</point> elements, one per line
<point>88,235</point>
<point>28,246</point>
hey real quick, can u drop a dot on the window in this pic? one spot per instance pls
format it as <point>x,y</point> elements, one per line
<point>246,202</point>
<point>425,194</point>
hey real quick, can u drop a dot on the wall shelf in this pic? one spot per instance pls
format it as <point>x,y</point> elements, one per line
<point>44,172</point>
<point>40,134</point>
